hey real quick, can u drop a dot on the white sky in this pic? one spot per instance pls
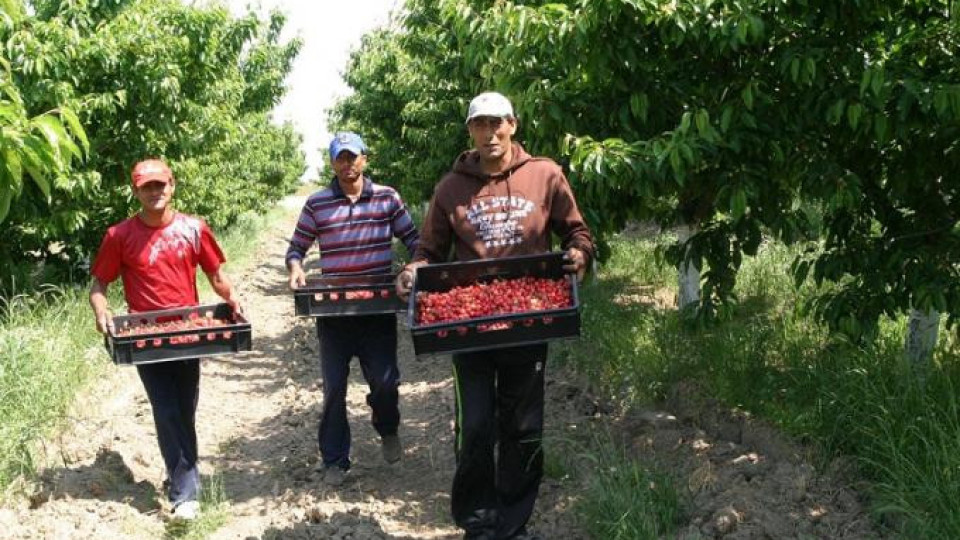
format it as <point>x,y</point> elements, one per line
<point>330,30</point>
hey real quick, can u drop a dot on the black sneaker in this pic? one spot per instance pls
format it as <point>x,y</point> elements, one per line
<point>392,449</point>
<point>334,476</point>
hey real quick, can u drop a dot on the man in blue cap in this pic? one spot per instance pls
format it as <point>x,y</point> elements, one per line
<point>353,221</point>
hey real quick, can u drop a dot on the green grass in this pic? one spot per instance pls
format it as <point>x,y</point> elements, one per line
<point>770,359</point>
<point>555,464</point>
<point>50,350</point>
<point>625,500</point>
<point>620,498</point>
<point>214,513</point>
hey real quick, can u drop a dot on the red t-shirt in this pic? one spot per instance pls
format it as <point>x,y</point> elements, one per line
<point>158,265</point>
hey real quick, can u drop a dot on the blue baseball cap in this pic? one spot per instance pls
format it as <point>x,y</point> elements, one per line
<point>346,140</point>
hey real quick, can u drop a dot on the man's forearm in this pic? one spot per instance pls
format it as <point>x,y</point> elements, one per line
<point>100,305</point>
<point>98,298</point>
<point>221,285</point>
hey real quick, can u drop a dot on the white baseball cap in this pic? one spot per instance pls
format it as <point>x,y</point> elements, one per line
<point>490,104</point>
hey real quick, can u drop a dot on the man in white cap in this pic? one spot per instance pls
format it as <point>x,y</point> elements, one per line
<point>499,201</point>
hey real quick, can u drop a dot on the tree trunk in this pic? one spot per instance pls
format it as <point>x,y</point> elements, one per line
<point>689,273</point>
<point>922,330</point>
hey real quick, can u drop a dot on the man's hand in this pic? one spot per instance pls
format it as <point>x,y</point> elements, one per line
<point>104,322</point>
<point>297,276</point>
<point>405,279</point>
<point>404,283</point>
<point>236,306</point>
<point>575,262</point>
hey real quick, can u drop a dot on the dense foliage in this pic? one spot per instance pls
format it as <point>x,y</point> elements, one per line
<point>834,123</point>
<point>411,90</point>
<point>101,84</point>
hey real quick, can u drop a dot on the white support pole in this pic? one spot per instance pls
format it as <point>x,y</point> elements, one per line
<point>689,273</point>
<point>922,331</point>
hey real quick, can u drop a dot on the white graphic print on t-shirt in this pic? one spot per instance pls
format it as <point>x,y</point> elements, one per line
<point>497,219</point>
<point>184,232</point>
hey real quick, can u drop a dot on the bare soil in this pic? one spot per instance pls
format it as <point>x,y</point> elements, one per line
<point>257,426</point>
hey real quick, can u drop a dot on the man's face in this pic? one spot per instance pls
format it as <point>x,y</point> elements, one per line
<point>155,195</point>
<point>349,166</point>
<point>492,135</point>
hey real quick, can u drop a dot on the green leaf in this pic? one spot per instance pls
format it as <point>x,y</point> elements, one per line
<point>9,112</point>
<point>36,164</point>
<point>880,128</point>
<point>38,153</point>
<point>835,112</point>
<point>52,131</point>
<point>738,203</point>
<point>865,81</point>
<point>853,114</point>
<point>39,179</point>
<point>876,81</point>
<point>57,136</point>
<point>675,160</point>
<point>800,272</point>
<point>747,96</point>
<point>742,30</point>
<point>6,195</point>
<point>687,153</point>
<point>725,117</point>
<point>810,65</point>
<point>941,102</point>
<point>75,127</point>
<point>778,156</point>
<point>11,162</point>
<point>638,106</point>
<point>12,9</point>
<point>703,123</point>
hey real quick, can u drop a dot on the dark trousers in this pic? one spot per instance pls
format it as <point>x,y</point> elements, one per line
<point>173,389</point>
<point>499,397</point>
<point>373,340</point>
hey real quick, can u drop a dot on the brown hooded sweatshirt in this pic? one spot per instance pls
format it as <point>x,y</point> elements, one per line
<point>502,215</point>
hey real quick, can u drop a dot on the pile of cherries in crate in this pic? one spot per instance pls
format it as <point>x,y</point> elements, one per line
<point>498,297</point>
<point>202,327</point>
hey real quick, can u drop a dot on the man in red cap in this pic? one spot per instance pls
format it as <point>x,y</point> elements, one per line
<point>156,253</point>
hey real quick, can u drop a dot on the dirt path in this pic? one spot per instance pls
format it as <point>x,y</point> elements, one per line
<point>257,426</point>
<point>258,414</point>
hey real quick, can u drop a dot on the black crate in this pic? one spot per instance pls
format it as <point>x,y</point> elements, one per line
<point>497,331</point>
<point>159,347</point>
<point>340,296</point>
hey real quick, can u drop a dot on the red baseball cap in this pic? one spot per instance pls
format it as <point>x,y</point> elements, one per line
<point>151,170</point>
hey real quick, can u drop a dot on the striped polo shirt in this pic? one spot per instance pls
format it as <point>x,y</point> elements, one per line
<point>354,237</point>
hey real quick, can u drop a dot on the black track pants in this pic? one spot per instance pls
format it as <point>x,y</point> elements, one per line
<point>373,340</point>
<point>499,397</point>
<point>173,389</point>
